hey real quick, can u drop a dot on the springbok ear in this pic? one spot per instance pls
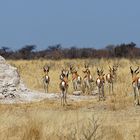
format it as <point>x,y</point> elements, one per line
<point>84,71</point>
<point>137,69</point>
<point>114,69</point>
<point>137,72</point>
<point>62,71</point>
<point>98,72</point>
<point>44,69</point>
<point>116,66</point>
<point>102,71</point>
<point>67,73</point>
<point>131,69</point>
<point>48,68</point>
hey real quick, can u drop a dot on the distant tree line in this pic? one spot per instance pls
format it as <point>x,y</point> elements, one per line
<point>29,52</point>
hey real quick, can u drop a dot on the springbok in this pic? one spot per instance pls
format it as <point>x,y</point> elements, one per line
<point>115,67</point>
<point>87,80</point>
<point>110,77</point>
<point>46,78</point>
<point>76,79</point>
<point>64,86</point>
<point>100,81</point>
<point>136,85</point>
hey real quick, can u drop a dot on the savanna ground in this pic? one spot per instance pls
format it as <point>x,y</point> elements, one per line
<point>116,118</point>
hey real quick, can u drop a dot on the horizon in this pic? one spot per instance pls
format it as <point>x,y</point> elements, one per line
<point>91,24</point>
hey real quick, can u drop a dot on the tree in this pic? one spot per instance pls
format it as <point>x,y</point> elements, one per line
<point>26,52</point>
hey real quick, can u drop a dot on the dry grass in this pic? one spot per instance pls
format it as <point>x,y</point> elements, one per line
<point>25,122</point>
<point>114,119</point>
<point>31,72</point>
<point>37,121</point>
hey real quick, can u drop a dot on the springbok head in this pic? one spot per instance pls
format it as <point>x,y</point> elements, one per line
<point>100,80</point>
<point>134,72</point>
<point>100,72</point>
<point>86,65</point>
<point>87,70</point>
<point>72,69</point>
<point>115,67</point>
<point>64,74</point>
<point>46,68</point>
<point>113,70</point>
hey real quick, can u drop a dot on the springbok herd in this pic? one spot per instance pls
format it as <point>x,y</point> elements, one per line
<point>85,84</point>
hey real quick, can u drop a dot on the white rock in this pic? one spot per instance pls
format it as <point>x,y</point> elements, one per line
<point>13,90</point>
<point>2,59</point>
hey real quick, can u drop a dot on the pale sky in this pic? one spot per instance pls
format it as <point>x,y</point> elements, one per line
<point>81,23</point>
